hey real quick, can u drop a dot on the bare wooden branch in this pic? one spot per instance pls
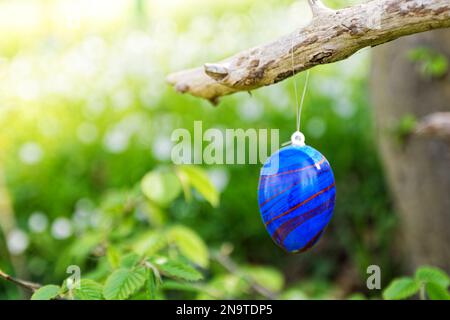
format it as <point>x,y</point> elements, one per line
<point>22,283</point>
<point>331,35</point>
<point>434,125</point>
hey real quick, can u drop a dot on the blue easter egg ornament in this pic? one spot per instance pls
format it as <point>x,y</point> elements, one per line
<point>296,195</point>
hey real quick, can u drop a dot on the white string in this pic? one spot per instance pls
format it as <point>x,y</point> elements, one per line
<point>295,83</point>
<point>299,107</point>
<point>299,112</point>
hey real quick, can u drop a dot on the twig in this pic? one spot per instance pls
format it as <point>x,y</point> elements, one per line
<point>22,283</point>
<point>233,268</point>
<point>211,292</point>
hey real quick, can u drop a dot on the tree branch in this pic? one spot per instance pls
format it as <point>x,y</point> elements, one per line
<point>434,125</point>
<point>22,283</point>
<point>331,35</point>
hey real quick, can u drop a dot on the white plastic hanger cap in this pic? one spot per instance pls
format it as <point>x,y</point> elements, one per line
<point>298,139</point>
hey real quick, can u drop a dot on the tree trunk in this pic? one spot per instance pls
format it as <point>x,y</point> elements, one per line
<point>417,168</point>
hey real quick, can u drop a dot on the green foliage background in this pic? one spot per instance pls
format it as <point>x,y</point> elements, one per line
<point>86,118</point>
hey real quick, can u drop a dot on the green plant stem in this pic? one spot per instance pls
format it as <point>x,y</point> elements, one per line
<point>422,294</point>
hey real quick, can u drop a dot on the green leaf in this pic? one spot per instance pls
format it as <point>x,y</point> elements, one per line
<point>151,284</point>
<point>200,181</point>
<point>161,187</point>
<point>122,283</point>
<point>266,277</point>
<point>178,269</point>
<point>48,292</point>
<point>129,260</point>
<point>224,286</point>
<point>407,124</point>
<point>149,243</point>
<point>404,128</point>
<point>293,294</point>
<point>438,66</point>
<point>113,256</point>
<point>88,290</point>
<point>185,185</point>
<point>190,245</point>
<point>401,288</point>
<point>156,215</point>
<point>436,292</point>
<point>432,63</point>
<point>427,274</point>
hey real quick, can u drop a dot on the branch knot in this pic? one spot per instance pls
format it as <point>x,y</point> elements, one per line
<point>216,71</point>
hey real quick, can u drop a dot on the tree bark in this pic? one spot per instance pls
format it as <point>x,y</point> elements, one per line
<point>418,168</point>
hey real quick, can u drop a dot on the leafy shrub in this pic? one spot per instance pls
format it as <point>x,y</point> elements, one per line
<point>430,282</point>
<point>151,263</point>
